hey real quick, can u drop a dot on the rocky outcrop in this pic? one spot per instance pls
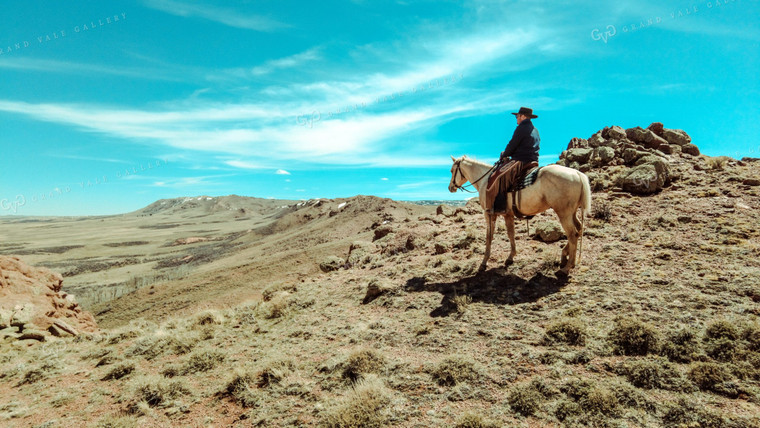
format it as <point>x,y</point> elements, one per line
<point>635,160</point>
<point>34,306</point>
<point>548,231</point>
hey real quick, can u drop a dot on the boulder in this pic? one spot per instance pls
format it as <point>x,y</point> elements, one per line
<point>660,164</point>
<point>657,128</point>
<point>616,133</point>
<point>603,155</point>
<point>383,231</point>
<point>676,136</point>
<point>577,143</point>
<point>578,155</point>
<point>632,155</point>
<point>612,143</point>
<point>643,179</point>
<point>636,134</point>
<point>548,231</point>
<point>653,141</point>
<point>596,140</point>
<point>375,289</point>
<point>690,149</point>
<point>331,263</point>
<point>666,148</point>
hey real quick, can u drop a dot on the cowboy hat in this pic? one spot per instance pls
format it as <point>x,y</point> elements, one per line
<point>525,111</point>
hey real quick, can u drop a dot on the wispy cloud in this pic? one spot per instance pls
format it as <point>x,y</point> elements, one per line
<point>174,74</point>
<point>287,62</point>
<point>229,17</point>
<point>282,172</point>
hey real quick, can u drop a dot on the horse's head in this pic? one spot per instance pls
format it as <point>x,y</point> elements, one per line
<point>457,178</point>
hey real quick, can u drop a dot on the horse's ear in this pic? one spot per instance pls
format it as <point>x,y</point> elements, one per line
<point>453,159</point>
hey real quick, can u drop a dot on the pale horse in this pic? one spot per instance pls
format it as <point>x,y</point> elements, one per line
<point>562,189</point>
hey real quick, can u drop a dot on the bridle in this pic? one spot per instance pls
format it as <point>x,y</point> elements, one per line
<point>458,165</point>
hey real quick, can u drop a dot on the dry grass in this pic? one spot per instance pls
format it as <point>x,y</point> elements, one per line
<point>362,362</point>
<point>366,405</point>
<point>242,388</point>
<point>120,370</point>
<point>157,392</point>
<point>453,370</point>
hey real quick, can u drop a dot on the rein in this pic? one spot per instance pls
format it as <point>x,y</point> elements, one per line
<point>472,184</point>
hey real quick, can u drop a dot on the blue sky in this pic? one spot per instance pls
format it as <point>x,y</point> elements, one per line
<point>108,106</point>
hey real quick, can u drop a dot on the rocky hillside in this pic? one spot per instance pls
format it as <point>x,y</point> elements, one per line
<point>33,305</point>
<point>371,312</point>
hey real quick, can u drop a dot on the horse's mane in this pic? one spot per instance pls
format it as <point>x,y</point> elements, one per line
<point>475,161</point>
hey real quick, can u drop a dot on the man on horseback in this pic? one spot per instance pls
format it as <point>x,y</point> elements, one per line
<point>519,157</point>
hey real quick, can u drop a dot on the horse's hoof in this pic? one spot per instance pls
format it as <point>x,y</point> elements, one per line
<point>482,268</point>
<point>509,262</point>
<point>562,273</point>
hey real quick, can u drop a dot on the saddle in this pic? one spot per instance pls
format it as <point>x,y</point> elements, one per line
<point>510,178</point>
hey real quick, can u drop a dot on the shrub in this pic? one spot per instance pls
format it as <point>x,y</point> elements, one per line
<point>751,335</point>
<point>717,163</point>
<point>36,374</point>
<point>708,375</point>
<point>361,362</point>
<point>721,329</point>
<point>681,346</point>
<point>277,307</point>
<point>602,211</point>
<point>525,400</point>
<point>365,406</point>
<point>566,409</point>
<point>571,331</point>
<point>649,374</point>
<point>633,337</point>
<point>722,349</point>
<point>687,414</point>
<point>121,336</point>
<point>202,361</point>
<point>591,398</point>
<point>240,388</point>
<point>474,420</point>
<point>158,391</point>
<point>454,369</point>
<point>120,371</point>
<point>150,347</point>
<point>271,291</point>
<point>207,318</point>
<point>273,372</point>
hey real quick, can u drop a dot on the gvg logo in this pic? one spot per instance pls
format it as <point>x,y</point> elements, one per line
<point>596,34</point>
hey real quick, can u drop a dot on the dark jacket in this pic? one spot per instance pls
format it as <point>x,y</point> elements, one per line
<point>524,144</point>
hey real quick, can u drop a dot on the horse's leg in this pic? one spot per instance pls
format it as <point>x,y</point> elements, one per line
<point>490,225</point>
<point>568,221</point>
<point>510,222</point>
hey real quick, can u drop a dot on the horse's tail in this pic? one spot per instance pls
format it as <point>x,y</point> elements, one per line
<point>585,206</point>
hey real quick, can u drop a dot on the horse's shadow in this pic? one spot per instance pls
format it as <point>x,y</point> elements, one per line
<point>494,286</point>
